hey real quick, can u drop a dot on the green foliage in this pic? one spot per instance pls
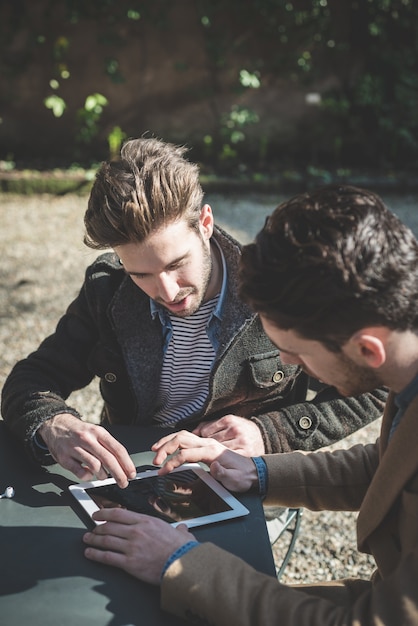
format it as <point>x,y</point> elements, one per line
<point>364,51</point>
<point>373,113</point>
<point>55,104</point>
<point>249,79</point>
<point>235,122</point>
<point>88,117</point>
<point>115,140</point>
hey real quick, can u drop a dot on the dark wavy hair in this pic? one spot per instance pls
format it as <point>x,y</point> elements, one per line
<point>332,261</point>
<point>149,186</point>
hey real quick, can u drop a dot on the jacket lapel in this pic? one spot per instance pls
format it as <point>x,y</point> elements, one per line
<point>235,314</point>
<point>140,338</point>
<point>398,463</point>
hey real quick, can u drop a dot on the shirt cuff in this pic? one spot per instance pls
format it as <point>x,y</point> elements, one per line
<point>40,451</point>
<point>261,468</point>
<point>177,554</point>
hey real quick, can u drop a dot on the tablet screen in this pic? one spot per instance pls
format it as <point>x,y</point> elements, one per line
<point>174,497</point>
<point>188,494</point>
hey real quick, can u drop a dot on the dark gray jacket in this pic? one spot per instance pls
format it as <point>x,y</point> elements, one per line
<point>108,332</point>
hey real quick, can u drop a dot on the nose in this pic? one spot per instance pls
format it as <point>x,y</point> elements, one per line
<point>167,287</point>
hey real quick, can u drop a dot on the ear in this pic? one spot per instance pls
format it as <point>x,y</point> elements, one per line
<point>370,346</point>
<point>206,222</point>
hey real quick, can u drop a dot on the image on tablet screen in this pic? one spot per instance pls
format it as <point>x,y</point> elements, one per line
<point>175,497</point>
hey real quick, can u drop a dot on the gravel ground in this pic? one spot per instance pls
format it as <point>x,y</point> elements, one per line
<point>43,261</point>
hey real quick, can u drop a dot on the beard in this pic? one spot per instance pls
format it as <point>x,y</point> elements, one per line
<point>356,379</point>
<point>197,292</point>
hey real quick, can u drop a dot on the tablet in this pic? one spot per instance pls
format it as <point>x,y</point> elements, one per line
<point>187,495</point>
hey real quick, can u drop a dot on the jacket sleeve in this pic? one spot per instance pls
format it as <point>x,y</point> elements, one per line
<point>332,481</point>
<point>326,418</point>
<point>38,386</point>
<point>210,586</point>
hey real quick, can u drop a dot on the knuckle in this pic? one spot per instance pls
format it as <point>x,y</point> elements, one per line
<point>107,558</point>
<point>106,541</point>
<point>135,533</point>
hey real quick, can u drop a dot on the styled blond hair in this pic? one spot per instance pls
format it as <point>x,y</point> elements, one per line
<point>150,185</point>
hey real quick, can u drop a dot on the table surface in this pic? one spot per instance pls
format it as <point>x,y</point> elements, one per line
<point>45,578</point>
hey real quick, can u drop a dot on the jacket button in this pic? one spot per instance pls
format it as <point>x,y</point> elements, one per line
<point>278,376</point>
<point>305,422</point>
<point>110,377</point>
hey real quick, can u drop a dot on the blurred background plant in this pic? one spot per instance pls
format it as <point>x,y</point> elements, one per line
<point>255,87</point>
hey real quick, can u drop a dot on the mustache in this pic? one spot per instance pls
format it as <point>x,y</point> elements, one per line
<point>180,296</point>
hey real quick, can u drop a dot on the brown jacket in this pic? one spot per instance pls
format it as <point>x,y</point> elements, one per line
<point>214,587</point>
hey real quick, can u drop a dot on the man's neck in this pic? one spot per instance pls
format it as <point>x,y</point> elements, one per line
<point>215,282</point>
<point>401,366</point>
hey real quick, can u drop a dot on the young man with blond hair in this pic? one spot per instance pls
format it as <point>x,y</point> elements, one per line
<point>159,320</point>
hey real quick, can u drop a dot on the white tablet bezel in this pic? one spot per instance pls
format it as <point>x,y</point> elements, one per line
<point>236,508</point>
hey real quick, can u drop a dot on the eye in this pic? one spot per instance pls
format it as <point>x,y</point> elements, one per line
<point>138,276</point>
<point>176,265</point>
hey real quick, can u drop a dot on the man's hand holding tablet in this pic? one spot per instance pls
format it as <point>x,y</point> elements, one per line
<point>142,545</point>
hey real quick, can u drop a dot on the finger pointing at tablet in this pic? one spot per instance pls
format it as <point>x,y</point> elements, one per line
<point>234,471</point>
<point>185,447</point>
<point>87,450</point>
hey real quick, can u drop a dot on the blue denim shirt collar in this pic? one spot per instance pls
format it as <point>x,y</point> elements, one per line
<point>402,400</point>
<point>215,319</point>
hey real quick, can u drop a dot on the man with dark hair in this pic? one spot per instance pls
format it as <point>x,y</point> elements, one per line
<point>334,277</point>
<point>160,322</point>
